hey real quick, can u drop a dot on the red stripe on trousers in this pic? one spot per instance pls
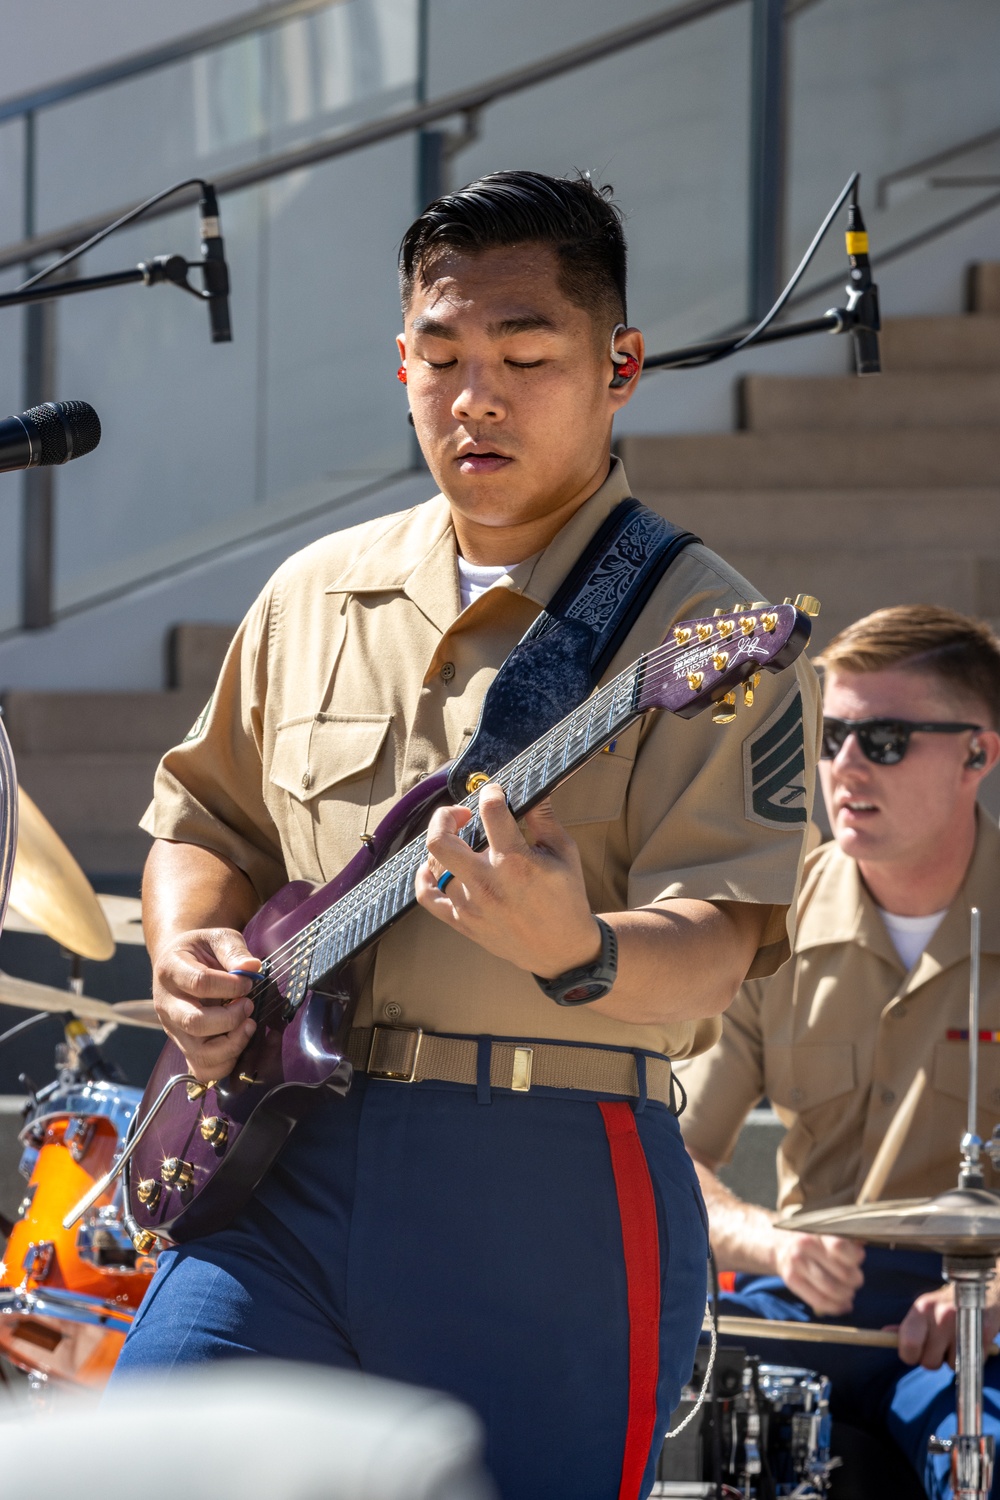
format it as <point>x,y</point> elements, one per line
<point>641,1244</point>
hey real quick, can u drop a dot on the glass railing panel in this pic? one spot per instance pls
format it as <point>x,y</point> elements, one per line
<point>206,445</point>
<point>11,400</point>
<point>876,115</point>
<point>666,125</point>
<point>317,74</point>
<point>12,181</point>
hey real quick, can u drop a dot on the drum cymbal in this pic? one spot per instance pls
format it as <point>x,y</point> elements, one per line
<point>51,891</point>
<point>964,1221</point>
<point>26,995</point>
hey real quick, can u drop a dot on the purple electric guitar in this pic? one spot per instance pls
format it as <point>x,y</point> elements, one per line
<point>197,1151</point>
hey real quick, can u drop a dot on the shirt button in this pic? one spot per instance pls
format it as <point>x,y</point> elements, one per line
<point>796,1096</point>
<point>392,1011</point>
<point>307,780</point>
<point>447,671</point>
<point>888,1097</point>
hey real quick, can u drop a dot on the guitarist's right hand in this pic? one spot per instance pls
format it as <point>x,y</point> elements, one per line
<point>200,1002</point>
<point>193,903</point>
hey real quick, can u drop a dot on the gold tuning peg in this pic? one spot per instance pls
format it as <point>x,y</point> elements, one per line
<point>725,711</point>
<point>719,611</point>
<point>807,604</point>
<point>759,604</point>
<point>748,689</point>
<point>738,609</point>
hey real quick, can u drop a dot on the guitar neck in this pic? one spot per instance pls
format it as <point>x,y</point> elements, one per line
<point>352,923</point>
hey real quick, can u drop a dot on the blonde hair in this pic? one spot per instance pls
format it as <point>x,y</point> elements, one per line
<point>960,652</point>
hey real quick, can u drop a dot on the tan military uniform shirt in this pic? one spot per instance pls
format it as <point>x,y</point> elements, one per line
<point>835,1039</point>
<point>355,674</point>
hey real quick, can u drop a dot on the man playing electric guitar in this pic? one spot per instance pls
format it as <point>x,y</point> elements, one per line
<point>505,1211</point>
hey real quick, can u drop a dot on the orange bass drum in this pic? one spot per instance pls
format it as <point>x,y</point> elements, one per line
<point>68,1296</point>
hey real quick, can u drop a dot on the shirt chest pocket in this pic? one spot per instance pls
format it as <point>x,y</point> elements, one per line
<point>320,786</point>
<point>803,1077</point>
<point>950,1075</point>
<point>596,793</point>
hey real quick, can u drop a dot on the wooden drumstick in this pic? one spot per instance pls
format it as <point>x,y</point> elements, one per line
<point>804,1333</point>
<point>892,1142</point>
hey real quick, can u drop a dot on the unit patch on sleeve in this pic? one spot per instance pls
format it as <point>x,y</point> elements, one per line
<point>198,727</point>
<point>774,765</point>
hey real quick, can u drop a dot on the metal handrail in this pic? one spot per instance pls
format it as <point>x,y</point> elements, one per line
<point>463,101</point>
<point>919,168</point>
<point>147,61</point>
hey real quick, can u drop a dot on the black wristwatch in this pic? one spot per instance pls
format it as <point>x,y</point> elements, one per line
<point>590,981</point>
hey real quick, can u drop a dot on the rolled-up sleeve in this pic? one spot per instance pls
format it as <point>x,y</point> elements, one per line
<point>209,789</point>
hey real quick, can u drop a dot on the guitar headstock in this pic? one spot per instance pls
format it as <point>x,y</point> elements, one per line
<point>705,661</point>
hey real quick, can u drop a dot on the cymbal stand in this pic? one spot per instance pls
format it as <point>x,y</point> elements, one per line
<point>971,1450</point>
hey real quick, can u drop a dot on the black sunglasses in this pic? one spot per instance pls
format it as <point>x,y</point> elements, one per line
<point>883,741</point>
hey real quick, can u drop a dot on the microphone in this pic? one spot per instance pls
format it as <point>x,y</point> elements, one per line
<point>214,271</point>
<point>49,434</point>
<point>862,295</point>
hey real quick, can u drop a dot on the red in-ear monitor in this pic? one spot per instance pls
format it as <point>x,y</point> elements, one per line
<point>626,365</point>
<point>401,374</point>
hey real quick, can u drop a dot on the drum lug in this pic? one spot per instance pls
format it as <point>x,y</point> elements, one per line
<point>38,1260</point>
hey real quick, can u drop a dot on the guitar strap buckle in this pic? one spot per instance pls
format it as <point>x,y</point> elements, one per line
<point>394,1052</point>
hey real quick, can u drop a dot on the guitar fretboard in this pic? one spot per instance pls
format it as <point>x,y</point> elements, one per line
<point>364,913</point>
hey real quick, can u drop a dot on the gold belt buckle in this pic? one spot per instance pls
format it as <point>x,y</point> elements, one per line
<point>394,1052</point>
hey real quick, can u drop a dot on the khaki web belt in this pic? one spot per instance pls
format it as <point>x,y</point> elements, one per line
<point>411,1055</point>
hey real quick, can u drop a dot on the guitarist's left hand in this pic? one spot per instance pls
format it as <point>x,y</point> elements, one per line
<point>525,902</point>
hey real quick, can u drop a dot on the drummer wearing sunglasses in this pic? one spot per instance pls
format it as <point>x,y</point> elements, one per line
<point>875,993</point>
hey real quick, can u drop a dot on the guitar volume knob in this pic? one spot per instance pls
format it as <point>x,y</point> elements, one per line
<point>148,1192</point>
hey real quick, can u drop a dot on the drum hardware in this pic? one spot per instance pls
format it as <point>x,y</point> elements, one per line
<point>773,1428</point>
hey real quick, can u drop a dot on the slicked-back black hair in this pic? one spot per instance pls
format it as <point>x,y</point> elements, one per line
<point>579,221</point>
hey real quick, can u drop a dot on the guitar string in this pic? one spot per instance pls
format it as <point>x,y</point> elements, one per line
<point>370,892</point>
<point>402,867</point>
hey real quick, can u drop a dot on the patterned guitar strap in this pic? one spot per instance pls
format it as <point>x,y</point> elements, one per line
<point>562,657</point>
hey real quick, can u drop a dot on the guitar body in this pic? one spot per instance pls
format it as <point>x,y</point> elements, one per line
<point>293,1054</point>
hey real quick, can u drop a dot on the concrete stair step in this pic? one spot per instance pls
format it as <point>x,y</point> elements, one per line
<point>852,581</point>
<point>881,520</point>
<point>984,287</point>
<point>952,458</point>
<point>776,403</point>
<point>94,802</point>
<point>969,342</point>
<point>96,722</point>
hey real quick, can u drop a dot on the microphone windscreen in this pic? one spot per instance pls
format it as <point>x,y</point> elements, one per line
<point>65,429</point>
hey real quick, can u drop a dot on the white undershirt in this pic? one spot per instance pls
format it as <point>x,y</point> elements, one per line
<point>474,580</point>
<point>910,935</point>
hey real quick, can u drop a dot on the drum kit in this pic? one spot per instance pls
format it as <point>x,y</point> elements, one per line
<point>67,1297</point>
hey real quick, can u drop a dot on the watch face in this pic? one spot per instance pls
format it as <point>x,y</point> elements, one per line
<point>592,989</point>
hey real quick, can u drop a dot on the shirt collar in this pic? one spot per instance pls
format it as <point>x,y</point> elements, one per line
<point>417,555</point>
<point>842,910</point>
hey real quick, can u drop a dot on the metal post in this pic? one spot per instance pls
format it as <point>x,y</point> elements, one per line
<point>38,489</point>
<point>767,155</point>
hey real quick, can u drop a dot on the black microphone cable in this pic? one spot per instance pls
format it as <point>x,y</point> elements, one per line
<point>744,342</point>
<point>215,272</point>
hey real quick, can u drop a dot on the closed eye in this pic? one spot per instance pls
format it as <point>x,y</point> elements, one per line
<point>525,364</point>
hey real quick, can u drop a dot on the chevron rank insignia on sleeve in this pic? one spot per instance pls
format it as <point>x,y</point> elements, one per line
<point>774,764</point>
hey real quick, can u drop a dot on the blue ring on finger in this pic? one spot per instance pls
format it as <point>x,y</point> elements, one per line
<point>444,880</point>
